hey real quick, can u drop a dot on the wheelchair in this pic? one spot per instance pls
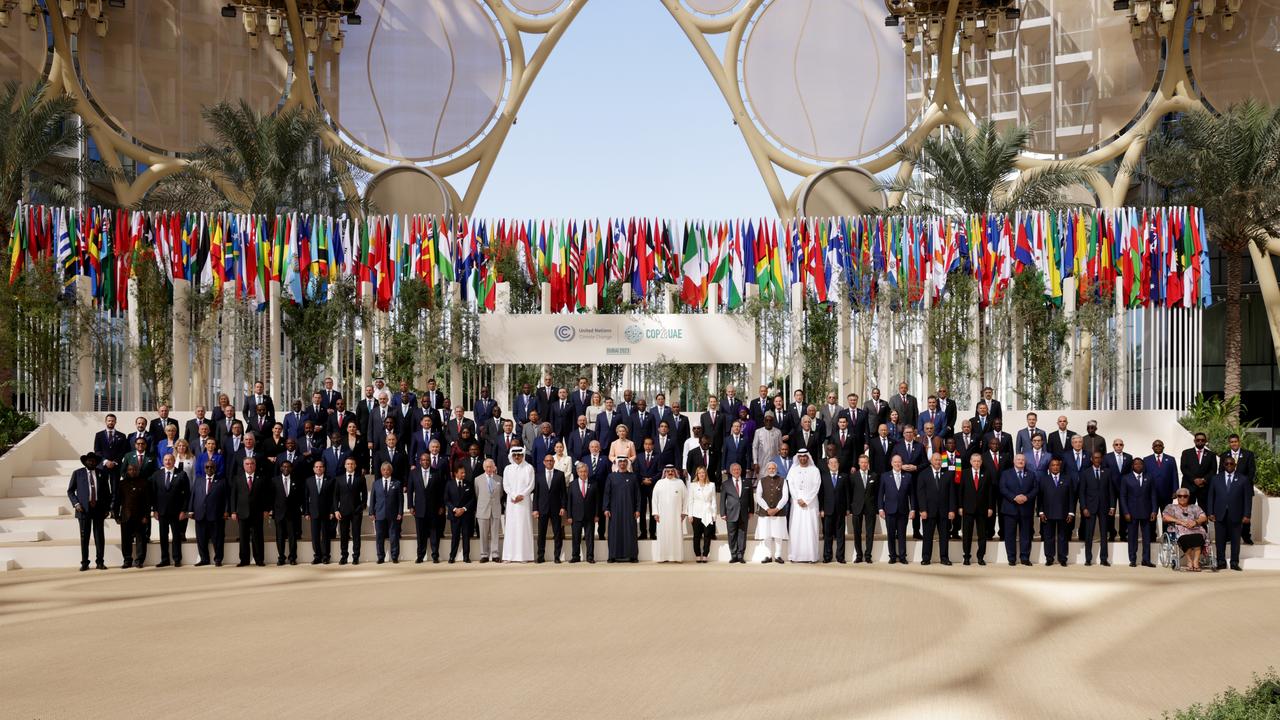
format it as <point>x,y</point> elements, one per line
<point>1171,555</point>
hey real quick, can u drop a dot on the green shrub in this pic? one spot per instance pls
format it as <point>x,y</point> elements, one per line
<point>14,426</point>
<point>1260,702</point>
<point>1213,417</point>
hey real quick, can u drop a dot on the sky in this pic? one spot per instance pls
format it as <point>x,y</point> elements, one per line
<point>625,120</point>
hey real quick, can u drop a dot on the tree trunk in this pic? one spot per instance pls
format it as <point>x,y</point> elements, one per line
<point>1231,327</point>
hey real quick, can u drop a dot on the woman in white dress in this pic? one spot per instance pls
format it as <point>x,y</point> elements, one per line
<point>183,459</point>
<point>701,509</point>
<point>563,462</point>
<point>517,483</point>
<point>594,409</point>
<point>804,481</point>
<point>622,447</point>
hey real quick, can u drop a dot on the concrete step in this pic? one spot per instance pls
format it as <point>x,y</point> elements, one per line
<point>39,485</point>
<point>62,468</point>
<point>34,506</point>
<point>22,536</point>
<point>7,564</point>
<point>63,527</point>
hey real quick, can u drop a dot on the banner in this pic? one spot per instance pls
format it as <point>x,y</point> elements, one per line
<point>602,339</point>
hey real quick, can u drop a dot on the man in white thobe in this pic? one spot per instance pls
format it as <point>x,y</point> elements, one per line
<point>517,482</point>
<point>803,483</point>
<point>668,512</point>
<point>771,524</point>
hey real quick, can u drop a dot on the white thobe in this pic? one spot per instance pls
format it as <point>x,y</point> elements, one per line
<point>803,484</point>
<point>770,526</point>
<point>517,479</point>
<point>668,504</point>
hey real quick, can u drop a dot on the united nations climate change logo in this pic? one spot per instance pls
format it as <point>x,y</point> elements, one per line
<point>565,333</point>
<point>634,333</point>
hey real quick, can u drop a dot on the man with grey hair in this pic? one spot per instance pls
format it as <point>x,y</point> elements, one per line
<point>489,512</point>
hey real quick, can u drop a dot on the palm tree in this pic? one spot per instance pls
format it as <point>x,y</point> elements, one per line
<point>975,172</point>
<point>1229,165</point>
<point>261,163</point>
<point>35,136</point>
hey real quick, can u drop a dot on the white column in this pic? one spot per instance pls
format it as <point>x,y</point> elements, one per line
<point>274,351</point>
<point>227,334</point>
<point>755,371</point>
<point>502,371</point>
<point>845,337</point>
<point>1069,384</point>
<point>455,345</point>
<point>713,369</point>
<point>180,395</point>
<point>884,355</point>
<point>1122,349</point>
<point>84,367</point>
<point>975,357</point>
<point>367,333</point>
<point>797,324</point>
<point>133,375</point>
<point>545,310</point>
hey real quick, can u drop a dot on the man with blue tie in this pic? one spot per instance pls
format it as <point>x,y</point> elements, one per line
<point>1057,506</point>
<point>386,508</point>
<point>319,505</point>
<point>1023,442</point>
<point>525,402</point>
<point>1230,508</point>
<point>1138,506</point>
<point>90,495</point>
<point>1037,457</point>
<point>897,505</point>
<point>426,504</point>
<point>607,423</point>
<point>352,499</point>
<point>209,508</point>
<point>482,411</point>
<point>660,412</point>
<point>1018,490</point>
<point>1163,470</point>
<point>579,439</point>
<point>1096,486</point>
<point>648,470</point>
<point>737,449</point>
<point>581,397</point>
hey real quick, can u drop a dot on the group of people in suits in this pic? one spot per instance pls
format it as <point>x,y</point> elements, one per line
<point>594,462</point>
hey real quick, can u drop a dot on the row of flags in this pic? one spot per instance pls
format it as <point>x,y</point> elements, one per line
<point>1148,255</point>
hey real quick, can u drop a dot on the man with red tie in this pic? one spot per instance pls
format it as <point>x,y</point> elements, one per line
<point>250,504</point>
<point>975,506</point>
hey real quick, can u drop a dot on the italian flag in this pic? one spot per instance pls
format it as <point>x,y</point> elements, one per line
<point>693,267</point>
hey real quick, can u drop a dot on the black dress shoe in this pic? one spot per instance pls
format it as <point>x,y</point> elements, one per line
<point>858,559</point>
<point>966,561</point>
<point>1013,563</point>
<point>826,561</point>
<point>981,561</point>
<point>904,561</point>
<point>217,563</point>
<point>342,561</point>
<point>202,563</point>
<point>1148,563</point>
<point>466,559</point>
<point>395,561</point>
<point>84,566</point>
<point>612,560</point>
<point>280,562</point>
<point>634,560</point>
<point>557,561</point>
<point>316,561</point>
<point>1247,541</point>
<point>778,560</point>
<point>435,560</point>
<point>1133,563</point>
<point>842,561</point>
<point>260,564</point>
<point>1048,562</point>
<point>177,564</point>
<point>591,561</point>
<point>946,562</point>
<point>574,560</point>
<point>451,561</point>
<point>1088,563</point>
<point>379,561</point>
<point>538,561</point>
<point>1236,566</point>
<point>242,564</point>
<point>926,562</point>
<point>162,563</point>
<point>417,561</point>
<point>1026,562</point>
<point>1106,563</point>
<point>355,561</point>
<point>127,564</point>
<point>293,561</point>
<point>484,559</point>
<point>1222,566</point>
<point>917,536</point>
<point>767,560</point>
<point>869,560</point>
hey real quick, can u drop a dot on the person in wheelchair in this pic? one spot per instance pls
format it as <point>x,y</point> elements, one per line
<point>1187,521</point>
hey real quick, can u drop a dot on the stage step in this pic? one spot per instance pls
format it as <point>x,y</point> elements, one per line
<point>39,485</point>
<point>34,506</point>
<point>60,468</point>
<point>22,536</point>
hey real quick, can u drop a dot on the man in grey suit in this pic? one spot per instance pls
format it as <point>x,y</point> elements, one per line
<point>489,512</point>
<point>828,411</point>
<point>906,404</point>
<point>735,510</point>
<point>877,412</point>
<point>532,429</point>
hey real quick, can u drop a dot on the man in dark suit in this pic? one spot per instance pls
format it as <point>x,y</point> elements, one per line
<point>949,410</point>
<point>422,437</point>
<point>497,435</point>
<point>737,449</point>
<point>640,420</point>
<point>1120,463</point>
<point>376,432</point>
<point>1138,505</point>
<point>364,408</point>
<point>897,503</point>
<point>352,499</point>
<point>110,445</point>
<point>976,505</point>
<point>598,470</point>
<point>1230,508</point>
<point>967,442</point>
<point>833,505</point>
<point>846,447</point>
<point>260,421</point>
<point>171,494</point>
<point>549,507</point>
<point>933,414</point>
<point>524,402</point>
<point>864,488</point>
<point>140,456</point>
<point>936,503</point>
<point>157,426</point>
<point>580,397</point>
<point>1018,490</point>
<point>405,399</point>
<point>426,504</point>
<point>546,396</point>
<point>386,508</point>
<point>735,509</point>
<point>258,397</point>
<point>89,493</point>
<point>1056,502</point>
<point>715,425</point>
<point>395,455</point>
<point>192,430</point>
<point>997,432</point>
<point>1097,488</point>
<point>482,409</point>
<point>319,508</point>
<point>287,497</point>
<point>1059,440</point>
<point>857,419</point>
<point>647,469</point>
<point>131,507</point>
<point>881,449</point>
<point>760,405</point>
<point>1199,465</point>
<point>680,431</point>
<point>877,411</point>
<point>210,498</point>
<point>806,437</point>
<point>338,419</point>
<point>993,406</point>
<point>1163,471</point>
<point>607,423</point>
<point>544,444</point>
<point>699,457</point>
<point>460,507</point>
<point>665,448</point>
<point>1246,465</point>
<point>250,503</point>
<point>981,422</point>
<point>579,439</point>
<point>293,421</point>
<point>458,423</point>
<point>1023,442</point>
<point>906,404</point>
<point>250,450</point>
<point>329,396</point>
<point>915,458</point>
<point>317,413</point>
<point>582,512</point>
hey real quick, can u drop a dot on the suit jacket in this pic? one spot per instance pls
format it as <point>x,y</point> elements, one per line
<point>1138,499</point>
<point>880,457</point>
<point>1165,475</point>
<point>980,426</point>
<point>640,426</point>
<point>967,447</point>
<point>680,431</point>
<point>1097,492</point>
<point>949,409</point>
<point>1246,463</point>
<point>1119,470</point>
<point>335,460</point>
<point>833,493</point>
<point>976,501</point>
<point>264,467</point>
<point>814,445</point>
<point>338,421</point>
<point>997,470</point>
<point>192,431</point>
<point>249,406</point>
<point>1070,467</point>
<point>113,449</point>
<point>1023,442</point>
<point>847,451</point>
<point>606,428</point>
<point>1058,501</point>
<point>581,508</point>
<point>715,430</point>
<point>1095,443</point>
<point>1041,464</point>
<point>908,410</point>
<point>386,504</point>
<point>363,411</point>
<point>739,452</point>
<point>78,491</point>
<point>289,505</point>
<point>426,497</point>
<point>375,432</point>
<point>1006,441</point>
<point>545,396</point>
<point>758,407</point>
<point>210,506</point>
<point>1055,443</point>
<point>156,429</point>
<point>937,417</point>
<point>482,411</point>
<point>460,497</point>
<point>146,464</point>
<point>994,409</point>
<point>668,454</point>
<point>857,424</point>
<point>734,506</point>
<point>328,398</point>
<point>863,492</point>
<point>246,500</point>
<point>548,493</point>
<point>171,500</point>
<point>353,499</point>
<point>936,496</point>
<point>543,445</point>
<point>1012,486</point>
<point>399,464</point>
<point>1230,504</point>
<point>259,424</point>
<point>896,498</point>
<point>877,414</point>
<point>420,443</point>
<point>321,496</point>
<point>523,404</point>
<point>578,442</point>
<point>488,499</point>
<point>649,468</point>
<point>579,402</point>
<point>1206,466</point>
<point>453,432</point>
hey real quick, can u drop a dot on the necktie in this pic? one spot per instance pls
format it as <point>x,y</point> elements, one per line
<point>249,481</point>
<point>168,477</point>
<point>885,443</point>
<point>349,482</point>
<point>1019,476</point>
<point>1230,477</point>
<point>897,480</point>
<point>975,479</point>
<point>737,486</point>
<point>1199,455</point>
<point>584,489</point>
<point>489,481</point>
<point>93,490</point>
<point>459,484</point>
<point>1055,481</point>
<point>386,485</point>
<point>208,484</point>
<point>842,433</point>
<point>1097,474</point>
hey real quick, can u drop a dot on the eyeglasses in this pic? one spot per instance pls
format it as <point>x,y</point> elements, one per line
<point>1183,495</point>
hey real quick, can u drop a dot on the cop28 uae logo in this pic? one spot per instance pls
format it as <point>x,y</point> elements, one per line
<point>565,333</point>
<point>634,333</point>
